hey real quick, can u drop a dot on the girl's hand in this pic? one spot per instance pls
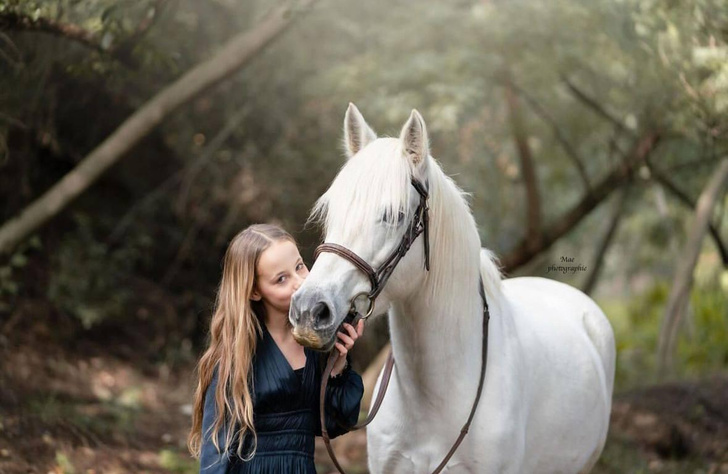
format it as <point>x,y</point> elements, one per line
<point>346,342</point>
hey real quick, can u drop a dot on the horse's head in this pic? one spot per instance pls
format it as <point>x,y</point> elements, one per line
<point>368,209</point>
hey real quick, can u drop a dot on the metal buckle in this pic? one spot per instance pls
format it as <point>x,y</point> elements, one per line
<point>353,310</point>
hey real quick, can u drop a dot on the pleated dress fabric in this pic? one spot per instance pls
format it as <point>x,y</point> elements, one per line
<point>286,414</point>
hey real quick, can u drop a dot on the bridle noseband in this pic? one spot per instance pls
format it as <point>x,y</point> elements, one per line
<point>378,278</point>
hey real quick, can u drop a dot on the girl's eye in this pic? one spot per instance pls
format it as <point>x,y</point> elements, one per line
<point>299,266</point>
<point>280,279</point>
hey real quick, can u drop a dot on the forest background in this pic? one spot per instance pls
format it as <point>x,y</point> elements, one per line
<point>137,137</point>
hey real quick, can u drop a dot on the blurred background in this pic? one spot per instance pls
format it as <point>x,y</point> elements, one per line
<point>585,133</point>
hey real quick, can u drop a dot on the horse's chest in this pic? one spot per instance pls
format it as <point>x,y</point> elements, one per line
<point>409,442</point>
<point>410,437</point>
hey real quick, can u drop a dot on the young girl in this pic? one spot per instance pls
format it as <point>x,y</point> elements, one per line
<point>256,384</point>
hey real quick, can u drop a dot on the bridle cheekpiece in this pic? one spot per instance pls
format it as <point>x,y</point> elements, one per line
<point>378,278</point>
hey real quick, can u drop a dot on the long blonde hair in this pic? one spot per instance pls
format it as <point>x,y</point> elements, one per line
<point>234,329</point>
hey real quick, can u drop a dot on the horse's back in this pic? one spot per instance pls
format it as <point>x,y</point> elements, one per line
<point>555,310</point>
<point>568,348</point>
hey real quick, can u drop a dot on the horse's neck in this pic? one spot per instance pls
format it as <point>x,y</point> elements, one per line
<point>436,345</point>
<point>436,339</point>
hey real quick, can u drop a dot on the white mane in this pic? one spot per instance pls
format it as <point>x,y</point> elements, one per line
<point>454,241</point>
<point>375,182</point>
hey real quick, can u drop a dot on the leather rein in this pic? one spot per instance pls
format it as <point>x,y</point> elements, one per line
<point>378,278</point>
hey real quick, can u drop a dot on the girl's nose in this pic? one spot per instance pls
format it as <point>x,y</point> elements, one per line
<point>297,282</point>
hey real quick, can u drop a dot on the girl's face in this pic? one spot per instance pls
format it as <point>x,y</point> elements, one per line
<point>279,273</point>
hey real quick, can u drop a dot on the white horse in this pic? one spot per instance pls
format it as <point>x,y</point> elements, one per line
<point>547,395</point>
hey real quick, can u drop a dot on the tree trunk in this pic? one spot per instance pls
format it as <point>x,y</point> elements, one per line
<point>682,196</point>
<point>684,275</point>
<point>233,55</point>
<point>528,171</point>
<point>596,266</point>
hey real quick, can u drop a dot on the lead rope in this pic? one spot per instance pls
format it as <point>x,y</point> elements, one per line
<point>385,382</point>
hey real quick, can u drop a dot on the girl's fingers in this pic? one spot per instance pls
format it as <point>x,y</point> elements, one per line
<point>350,329</point>
<point>347,340</point>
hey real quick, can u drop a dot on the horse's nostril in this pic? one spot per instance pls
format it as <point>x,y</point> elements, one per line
<point>321,314</point>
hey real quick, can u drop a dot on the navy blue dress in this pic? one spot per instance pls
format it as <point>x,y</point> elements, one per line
<point>285,413</point>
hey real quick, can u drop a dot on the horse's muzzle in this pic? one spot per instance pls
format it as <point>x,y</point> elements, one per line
<point>314,321</point>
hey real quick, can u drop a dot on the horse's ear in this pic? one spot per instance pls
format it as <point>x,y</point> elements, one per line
<point>357,133</point>
<point>415,144</point>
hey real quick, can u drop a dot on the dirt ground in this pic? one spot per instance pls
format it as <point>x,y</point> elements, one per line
<point>89,410</point>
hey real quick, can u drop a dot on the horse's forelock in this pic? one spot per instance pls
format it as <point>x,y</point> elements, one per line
<point>373,182</point>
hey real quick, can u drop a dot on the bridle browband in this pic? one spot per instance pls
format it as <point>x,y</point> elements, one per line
<point>378,278</point>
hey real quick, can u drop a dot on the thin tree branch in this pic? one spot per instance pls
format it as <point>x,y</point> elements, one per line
<point>614,146</point>
<point>611,231</point>
<point>185,248</point>
<point>522,252</point>
<point>596,107</point>
<point>685,199</point>
<point>15,63</point>
<point>692,164</point>
<point>10,20</point>
<point>145,202</point>
<point>533,199</point>
<point>192,171</point>
<point>10,44</point>
<point>124,48</point>
<point>560,137</point>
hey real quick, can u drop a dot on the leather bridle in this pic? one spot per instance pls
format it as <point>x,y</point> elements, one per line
<point>378,278</point>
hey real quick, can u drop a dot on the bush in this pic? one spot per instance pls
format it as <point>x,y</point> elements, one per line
<point>89,279</point>
<point>702,344</point>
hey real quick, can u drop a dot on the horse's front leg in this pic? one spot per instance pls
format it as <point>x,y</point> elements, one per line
<point>384,458</point>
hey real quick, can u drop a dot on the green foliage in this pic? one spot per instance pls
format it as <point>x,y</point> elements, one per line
<point>705,345</point>
<point>622,455</point>
<point>636,327</point>
<point>109,416</point>
<point>89,279</point>
<point>64,464</point>
<point>702,345</point>
<point>178,463</point>
<point>9,282</point>
<point>648,63</point>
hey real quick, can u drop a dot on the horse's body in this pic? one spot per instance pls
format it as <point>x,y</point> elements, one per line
<point>546,399</point>
<point>547,394</point>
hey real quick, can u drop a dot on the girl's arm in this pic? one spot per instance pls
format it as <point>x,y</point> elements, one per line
<point>212,461</point>
<point>343,401</point>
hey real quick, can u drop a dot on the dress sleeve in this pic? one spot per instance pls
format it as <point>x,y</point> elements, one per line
<point>212,461</point>
<point>343,400</point>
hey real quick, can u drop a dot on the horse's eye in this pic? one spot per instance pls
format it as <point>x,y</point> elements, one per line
<point>387,218</point>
